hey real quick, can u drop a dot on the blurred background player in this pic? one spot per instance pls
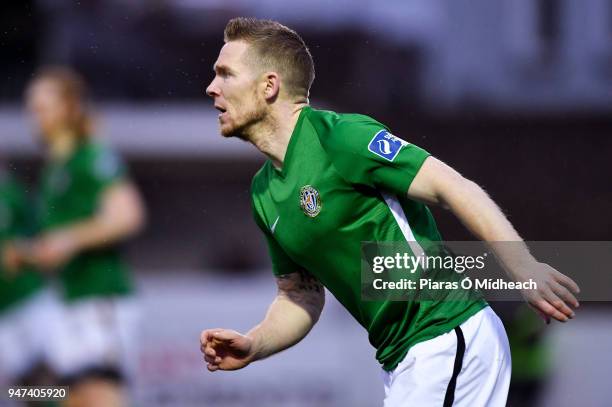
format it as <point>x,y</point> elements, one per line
<point>87,206</point>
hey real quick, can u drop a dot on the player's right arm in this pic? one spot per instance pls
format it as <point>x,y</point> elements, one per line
<point>292,314</point>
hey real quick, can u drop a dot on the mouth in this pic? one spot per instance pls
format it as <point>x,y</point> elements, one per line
<point>222,112</point>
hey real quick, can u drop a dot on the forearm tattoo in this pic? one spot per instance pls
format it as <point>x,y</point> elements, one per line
<point>303,289</point>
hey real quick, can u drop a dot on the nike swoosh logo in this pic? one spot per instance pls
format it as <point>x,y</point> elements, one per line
<point>274,224</point>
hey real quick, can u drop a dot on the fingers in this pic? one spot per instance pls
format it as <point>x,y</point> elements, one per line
<point>562,311</point>
<point>212,367</point>
<point>218,335</point>
<point>565,295</point>
<point>207,336</point>
<point>224,335</point>
<point>549,311</point>
<point>567,282</point>
<point>209,351</point>
<point>556,295</point>
<point>12,258</point>
<point>210,357</point>
<point>212,362</point>
<point>208,340</point>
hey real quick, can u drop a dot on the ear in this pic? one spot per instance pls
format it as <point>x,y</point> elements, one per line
<point>271,85</point>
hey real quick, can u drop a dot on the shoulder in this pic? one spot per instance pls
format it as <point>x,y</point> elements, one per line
<point>98,159</point>
<point>335,122</point>
<point>94,149</point>
<point>344,132</point>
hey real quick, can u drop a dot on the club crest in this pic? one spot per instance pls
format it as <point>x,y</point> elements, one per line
<point>310,201</point>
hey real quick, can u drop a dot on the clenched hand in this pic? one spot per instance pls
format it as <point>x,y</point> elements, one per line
<point>225,349</point>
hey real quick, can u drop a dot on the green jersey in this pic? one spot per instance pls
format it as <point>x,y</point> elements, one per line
<point>71,192</point>
<point>344,181</point>
<point>14,220</point>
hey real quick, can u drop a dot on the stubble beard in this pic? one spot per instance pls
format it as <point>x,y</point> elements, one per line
<point>243,128</point>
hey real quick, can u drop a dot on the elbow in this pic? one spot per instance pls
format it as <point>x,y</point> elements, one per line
<point>138,220</point>
<point>134,215</point>
<point>123,212</point>
<point>317,307</point>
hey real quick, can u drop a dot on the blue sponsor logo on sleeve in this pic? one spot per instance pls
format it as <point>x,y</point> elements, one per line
<point>386,145</point>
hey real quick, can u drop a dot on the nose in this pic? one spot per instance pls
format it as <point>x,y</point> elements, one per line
<point>212,90</point>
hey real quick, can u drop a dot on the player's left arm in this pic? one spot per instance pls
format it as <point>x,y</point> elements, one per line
<point>120,214</point>
<point>437,183</point>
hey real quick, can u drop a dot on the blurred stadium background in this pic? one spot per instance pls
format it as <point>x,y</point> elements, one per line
<point>515,94</point>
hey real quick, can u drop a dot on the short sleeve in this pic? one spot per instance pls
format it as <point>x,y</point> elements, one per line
<point>281,262</point>
<point>365,152</point>
<point>107,167</point>
<point>104,167</point>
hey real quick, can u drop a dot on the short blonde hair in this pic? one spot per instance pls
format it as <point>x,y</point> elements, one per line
<point>276,47</point>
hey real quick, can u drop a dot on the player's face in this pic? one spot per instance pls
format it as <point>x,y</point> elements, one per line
<point>47,107</point>
<point>235,92</point>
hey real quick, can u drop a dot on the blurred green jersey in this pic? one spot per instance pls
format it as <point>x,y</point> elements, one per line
<point>71,192</point>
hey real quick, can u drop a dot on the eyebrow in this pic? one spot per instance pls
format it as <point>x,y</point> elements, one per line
<point>221,69</point>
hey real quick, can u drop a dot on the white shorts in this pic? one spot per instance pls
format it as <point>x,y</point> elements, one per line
<point>469,366</point>
<point>24,333</point>
<point>95,334</point>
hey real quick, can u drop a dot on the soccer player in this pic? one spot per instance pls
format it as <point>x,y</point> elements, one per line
<point>87,207</point>
<point>335,180</point>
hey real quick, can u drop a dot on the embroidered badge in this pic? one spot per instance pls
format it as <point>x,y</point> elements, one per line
<point>386,145</point>
<point>310,201</point>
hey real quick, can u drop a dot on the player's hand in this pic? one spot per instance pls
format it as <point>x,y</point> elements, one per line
<point>555,293</point>
<point>52,250</point>
<point>15,254</point>
<point>225,349</point>
<point>11,260</point>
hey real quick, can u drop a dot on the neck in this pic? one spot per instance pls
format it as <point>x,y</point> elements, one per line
<point>272,135</point>
<point>62,144</point>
